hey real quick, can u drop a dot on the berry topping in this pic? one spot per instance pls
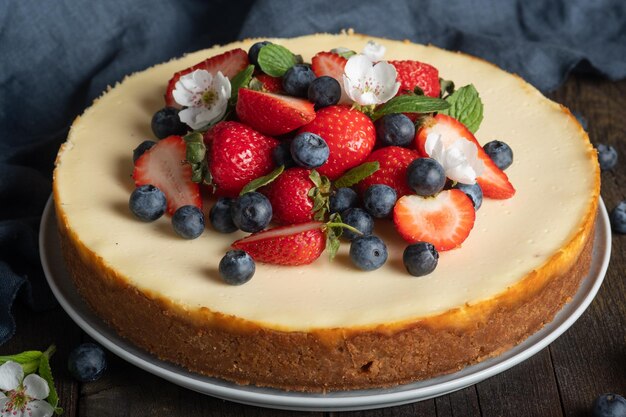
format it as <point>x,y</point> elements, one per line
<point>350,136</point>
<point>618,218</point>
<point>220,217</point>
<point>413,74</point>
<point>166,122</point>
<point>379,200</point>
<point>368,252</point>
<point>393,162</point>
<point>162,167</point>
<point>87,362</point>
<point>188,222</point>
<point>329,64</point>
<point>444,220</point>
<point>292,245</point>
<point>607,157</point>
<point>309,150</point>
<point>297,80</point>
<point>251,212</point>
<point>282,155</point>
<point>420,258</point>
<point>147,203</point>
<point>426,176</point>
<point>273,114</point>
<point>253,52</point>
<point>500,153</point>
<point>395,129</point>
<point>324,91</point>
<point>360,220</point>
<point>269,84</point>
<point>343,199</point>
<point>609,405</point>
<point>236,267</point>
<point>473,191</point>
<point>143,147</point>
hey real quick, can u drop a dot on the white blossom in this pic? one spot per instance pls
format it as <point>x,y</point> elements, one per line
<point>22,397</point>
<point>205,96</point>
<point>374,51</point>
<point>367,83</point>
<point>459,157</point>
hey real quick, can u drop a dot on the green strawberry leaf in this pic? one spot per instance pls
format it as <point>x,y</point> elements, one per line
<point>242,79</point>
<point>466,106</point>
<point>275,60</point>
<point>262,181</point>
<point>344,52</point>
<point>46,373</point>
<point>22,358</point>
<point>410,103</point>
<point>334,229</point>
<point>320,194</point>
<point>357,174</point>
<point>446,87</point>
<point>196,157</point>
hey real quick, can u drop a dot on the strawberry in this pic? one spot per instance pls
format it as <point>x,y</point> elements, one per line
<point>229,63</point>
<point>444,220</point>
<point>273,114</point>
<point>163,166</point>
<point>393,162</point>
<point>493,181</point>
<point>270,84</point>
<point>332,65</point>
<point>298,244</point>
<point>413,74</point>
<point>237,155</point>
<point>350,136</point>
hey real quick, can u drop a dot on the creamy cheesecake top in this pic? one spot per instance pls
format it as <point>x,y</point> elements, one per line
<point>554,173</point>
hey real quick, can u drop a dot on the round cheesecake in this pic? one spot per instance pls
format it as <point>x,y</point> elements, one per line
<point>328,325</point>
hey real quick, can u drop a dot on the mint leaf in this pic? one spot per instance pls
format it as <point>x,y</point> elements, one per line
<point>275,60</point>
<point>262,181</point>
<point>242,79</point>
<point>357,174</point>
<point>466,106</point>
<point>411,104</point>
<point>46,373</point>
<point>22,358</point>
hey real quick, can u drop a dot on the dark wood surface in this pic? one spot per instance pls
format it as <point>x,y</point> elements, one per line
<point>561,380</point>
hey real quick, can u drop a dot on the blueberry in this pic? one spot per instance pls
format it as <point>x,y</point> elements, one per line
<point>618,218</point>
<point>368,252</point>
<point>324,91</point>
<point>143,146</point>
<point>426,176</point>
<point>253,52</point>
<point>281,155</point>
<point>309,150</point>
<point>220,217</point>
<point>379,200</point>
<point>297,79</point>
<point>236,267</point>
<point>188,222</point>
<point>360,220</point>
<point>473,191</point>
<point>607,156</point>
<point>500,153</point>
<point>343,199</point>
<point>147,203</point>
<point>251,212</point>
<point>166,122</point>
<point>609,405</point>
<point>87,362</point>
<point>395,130</point>
<point>420,258</point>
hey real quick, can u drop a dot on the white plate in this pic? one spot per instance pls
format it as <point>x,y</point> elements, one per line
<point>64,290</point>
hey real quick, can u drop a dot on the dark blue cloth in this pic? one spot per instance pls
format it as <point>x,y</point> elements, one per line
<point>57,56</point>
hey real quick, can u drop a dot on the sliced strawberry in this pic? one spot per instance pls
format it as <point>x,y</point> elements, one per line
<point>331,65</point>
<point>493,181</point>
<point>163,166</point>
<point>292,245</point>
<point>273,114</point>
<point>444,220</point>
<point>413,74</point>
<point>270,84</point>
<point>393,162</point>
<point>229,63</point>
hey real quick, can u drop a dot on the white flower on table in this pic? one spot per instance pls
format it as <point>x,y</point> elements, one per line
<point>459,158</point>
<point>205,96</point>
<point>22,397</point>
<point>367,83</point>
<point>374,51</point>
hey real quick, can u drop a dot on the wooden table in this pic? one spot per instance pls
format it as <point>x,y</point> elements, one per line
<point>561,380</point>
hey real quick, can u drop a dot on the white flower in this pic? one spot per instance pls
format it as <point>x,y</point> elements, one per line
<point>459,157</point>
<point>205,96</point>
<point>22,397</point>
<point>367,83</point>
<point>374,51</point>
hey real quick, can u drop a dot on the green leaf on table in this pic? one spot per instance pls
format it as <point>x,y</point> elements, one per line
<point>241,80</point>
<point>357,174</point>
<point>466,106</point>
<point>275,60</point>
<point>46,373</point>
<point>262,181</point>
<point>22,358</point>
<point>411,103</point>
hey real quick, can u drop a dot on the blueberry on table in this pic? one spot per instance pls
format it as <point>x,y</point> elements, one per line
<point>395,129</point>
<point>324,91</point>
<point>420,258</point>
<point>297,80</point>
<point>309,150</point>
<point>368,252</point>
<point>500,153</point>
<point>281,155</point>
<point>618,218</point>
<point>343,199</point>
<point>426,176</point>
<point>147,203</point>
<point>143,147</point>
<point>87,362</point>
<point>236,267</point>
<point>473,191</point>
<point>166,122</point>
<point>188,222</point>
<point>379,200</point>
<point>253,52</point>
<point>251,212</point>
<point>360,220</point>
<point>609,405</point>
<point>607,157</point>
<point>220,217</point>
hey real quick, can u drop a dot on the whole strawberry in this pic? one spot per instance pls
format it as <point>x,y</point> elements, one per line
<point>350,136</point>
<point>413,74</point>
<point>393,162</point>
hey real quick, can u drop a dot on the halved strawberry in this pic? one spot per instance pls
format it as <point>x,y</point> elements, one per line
<point>493,181</point>
<point>393,162</point>
<point>444,220</point>
<point>292,245</point>
<point>332,65</point>
<point>273,114</point>
<point>413,74</point>
<point>229,63</point>
<point>163,166</point>
<point>270,84</point>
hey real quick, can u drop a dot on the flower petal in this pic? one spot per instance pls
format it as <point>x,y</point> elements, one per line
<point>358,68</point>
<point>191,115</point>
<point>183,96</point>
<point>221,84</point>
<point>11,374</point>
<point>374,51</point>
<point>202,79</point>
<point>39,408</point>
<point>36,387</point>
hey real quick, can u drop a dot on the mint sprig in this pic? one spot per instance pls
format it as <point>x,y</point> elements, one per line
<point>357,174</point>
<point>262,181</point>
<point>334,229</point>
<point>275,60</point>
<point>411,103</point>
<point>241,80</point>
<point>466,106</point>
